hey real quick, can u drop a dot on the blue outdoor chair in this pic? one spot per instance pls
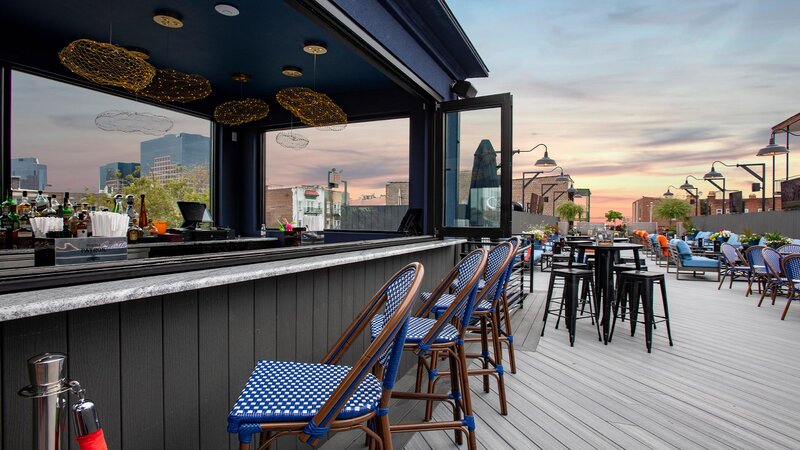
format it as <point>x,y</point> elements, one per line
<point>310,400</point>
<point>789,249</point>
<point>791,268</point>
<point>775,279</point>
<point>681,255</point>
<point>430,337</point>
<point>733,264</point>
<point>500,257</point>
<point>758,270</point>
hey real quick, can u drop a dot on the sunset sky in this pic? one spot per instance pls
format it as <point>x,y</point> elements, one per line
<point>629,97</point>
<point>632,96</point>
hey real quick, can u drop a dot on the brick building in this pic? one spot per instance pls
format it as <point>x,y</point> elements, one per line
<point>642,210</point>
<point>542,204</point>
<point>306,206</point>
<point>397,193</point>
<point>751,204</point>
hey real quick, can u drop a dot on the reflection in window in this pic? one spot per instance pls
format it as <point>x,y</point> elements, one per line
<point>354,179</point>
<point>472,169</point>
<point>57,147</point>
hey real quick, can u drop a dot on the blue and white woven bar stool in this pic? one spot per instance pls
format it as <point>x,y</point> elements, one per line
<point>310,400</point>
<point>431,338</point>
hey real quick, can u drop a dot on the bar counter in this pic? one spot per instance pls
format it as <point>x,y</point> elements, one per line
<point>165,355</point>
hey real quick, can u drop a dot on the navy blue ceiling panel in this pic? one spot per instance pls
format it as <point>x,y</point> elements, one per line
<point>267,35</point>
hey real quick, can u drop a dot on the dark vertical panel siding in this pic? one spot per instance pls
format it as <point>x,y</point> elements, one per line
<point>165,372</point>
<point>320,341</point>
<point>213,367</point>
<point>265,312</point>
<point>23,339</point>
<point>94,360</point>
<point>142,381</point>
<point>241,337</point>
<point>181,371</point>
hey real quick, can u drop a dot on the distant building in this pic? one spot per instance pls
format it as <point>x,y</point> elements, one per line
<point>303,205</point>
<point>549,194</point>
<point>113,175</point>
<point>751,204</point>
<point>32,175</point>
<point>397,193</point>
<point>165,157</point>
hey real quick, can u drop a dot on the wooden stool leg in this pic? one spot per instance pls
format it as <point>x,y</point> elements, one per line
<point>455,389</point>
<point>466,395</point>
<point>431,385</point>
<point>498,360</point>
<point>509,334</point>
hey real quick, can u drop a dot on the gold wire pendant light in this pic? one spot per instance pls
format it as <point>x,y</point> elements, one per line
<point>170,85</point>
<point>291,140</point>
<point>107,64</point>
<point>238,112</point>
<point>313,108</point>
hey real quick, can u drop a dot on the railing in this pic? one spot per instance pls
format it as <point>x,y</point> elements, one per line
<point>312,211</point>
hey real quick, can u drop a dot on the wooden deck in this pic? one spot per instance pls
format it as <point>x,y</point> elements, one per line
<point>730,381</point>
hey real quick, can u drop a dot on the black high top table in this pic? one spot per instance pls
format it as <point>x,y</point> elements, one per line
<point>605,255</point>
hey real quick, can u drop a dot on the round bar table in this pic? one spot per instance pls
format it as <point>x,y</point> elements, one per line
<point>605,255</point>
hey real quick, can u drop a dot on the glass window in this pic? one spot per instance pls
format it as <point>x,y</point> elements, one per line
<point>58,146</point>
<point>472,168</point>
<point>353,179</point>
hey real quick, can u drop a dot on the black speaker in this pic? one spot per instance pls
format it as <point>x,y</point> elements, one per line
<point>464,89</point>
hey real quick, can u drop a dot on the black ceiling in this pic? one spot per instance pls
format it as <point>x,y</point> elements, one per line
<point>266,35</point>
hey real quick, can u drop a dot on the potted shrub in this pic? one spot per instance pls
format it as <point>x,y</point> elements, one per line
<point>776,240</point>
<point>568,211</point>
<point>671,209</point>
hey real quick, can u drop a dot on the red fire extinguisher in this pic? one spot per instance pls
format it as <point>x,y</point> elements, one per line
<point>88,432</point>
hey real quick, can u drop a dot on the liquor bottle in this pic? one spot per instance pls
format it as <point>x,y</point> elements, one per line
<point>67,212</point>
<point>25,231</point>
<point>24,206</point>
<point>263,230</point>
<point>119,207</point>
<point>145,224</point>
<point>73,221</point>
<point>6,226</point>
<point>40,203</point>
<point>56,207</point>
<point>134,232</point>
<point>152,229</point>
<point>50,211</point>
<point>89,220</point>
<point>130,210</point>
<point>82,225</point>
<point>10,203</point>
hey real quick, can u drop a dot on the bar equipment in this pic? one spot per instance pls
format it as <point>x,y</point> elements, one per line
<point>48,389</point>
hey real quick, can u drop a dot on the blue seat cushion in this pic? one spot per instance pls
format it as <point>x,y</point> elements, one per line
<point>292,391</point>
<point>684,252</point>
<point>700,261</point>
<point>485,305</point>
<point>418,327</point>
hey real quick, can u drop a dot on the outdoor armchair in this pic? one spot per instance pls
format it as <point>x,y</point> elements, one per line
<point>685,262</point>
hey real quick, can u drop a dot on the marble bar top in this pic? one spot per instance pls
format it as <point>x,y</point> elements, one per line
<point>34,303</point>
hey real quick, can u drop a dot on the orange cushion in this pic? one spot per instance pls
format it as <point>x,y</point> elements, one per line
<point>662,240</point>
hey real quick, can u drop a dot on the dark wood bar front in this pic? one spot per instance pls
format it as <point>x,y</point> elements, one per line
<point>165,369</point>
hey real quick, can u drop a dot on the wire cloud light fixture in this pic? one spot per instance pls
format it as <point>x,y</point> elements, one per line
<point>133,122</point>
<point>107,64</point>
<point>170,85</point>
<point>291,140</point>
<point>313,108</point>
<point>238,112</point>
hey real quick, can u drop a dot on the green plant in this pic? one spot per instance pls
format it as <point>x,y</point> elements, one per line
<point>671,209</point>
<point>748,236</point>
<point>568,211</point>
<point>613,216</point>
<point>776,239</point>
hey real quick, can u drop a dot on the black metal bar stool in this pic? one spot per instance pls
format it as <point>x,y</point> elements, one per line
<point>639,285</point>
<point>569,299</point>
<point>624,266</point>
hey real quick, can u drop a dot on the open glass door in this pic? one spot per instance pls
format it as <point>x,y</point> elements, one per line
<point>473,164</point>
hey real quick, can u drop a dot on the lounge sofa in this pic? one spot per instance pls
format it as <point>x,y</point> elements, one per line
<point>681,255</point>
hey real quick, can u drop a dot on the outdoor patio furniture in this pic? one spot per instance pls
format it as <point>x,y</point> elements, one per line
<point>791,268</point>
<point>568,307</point>
<point>662,251</point>
<point>500,257</point>
<point>775,278</point>
<point>733,264</point>
<point>636,285</point>
<point>429,338</point>
<point>789,249</point>
<point>310,400</point>
<point>685,262</point>
<point>758,270</point>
